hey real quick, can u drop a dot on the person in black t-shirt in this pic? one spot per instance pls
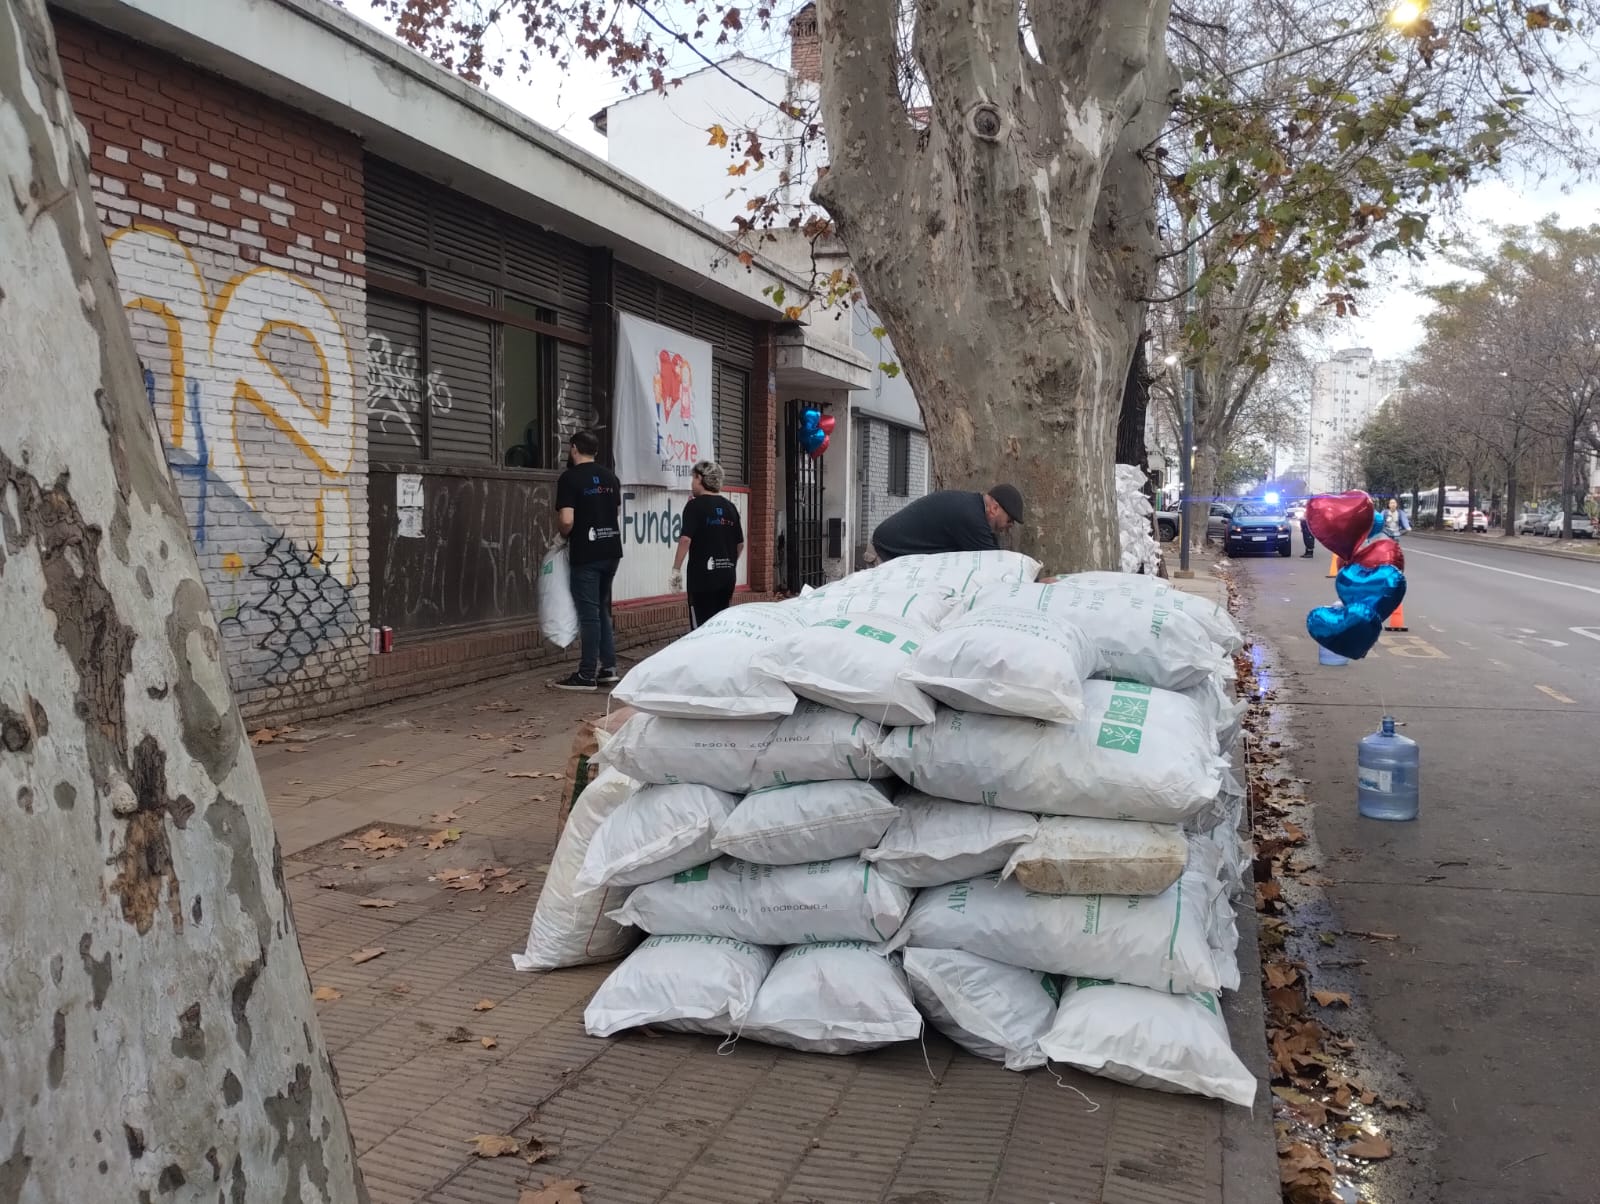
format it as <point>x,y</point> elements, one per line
<point>588,501</point>
<point>950,520</point>
<point>712,539</point>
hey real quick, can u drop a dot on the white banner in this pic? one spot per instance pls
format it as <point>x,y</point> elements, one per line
<point>663,404</point>
<point>652,520</point>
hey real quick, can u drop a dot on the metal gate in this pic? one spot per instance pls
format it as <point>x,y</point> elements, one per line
<point>802,506</point>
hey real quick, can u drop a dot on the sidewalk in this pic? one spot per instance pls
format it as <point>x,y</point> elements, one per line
<point>645,1117</point>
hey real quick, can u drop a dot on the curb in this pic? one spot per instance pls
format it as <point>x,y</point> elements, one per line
<point>1465,541</point>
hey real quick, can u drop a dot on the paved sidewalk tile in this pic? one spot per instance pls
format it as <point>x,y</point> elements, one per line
<point>644,1118</point>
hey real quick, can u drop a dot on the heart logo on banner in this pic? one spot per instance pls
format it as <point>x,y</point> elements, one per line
<point>1340,521</point>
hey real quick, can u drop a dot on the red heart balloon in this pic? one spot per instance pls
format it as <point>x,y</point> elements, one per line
<point>1378,551</point>
<point>827,424</point>
<point>1340,521</point>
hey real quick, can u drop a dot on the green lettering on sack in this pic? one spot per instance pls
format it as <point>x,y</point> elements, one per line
<point>1128,710</point>
<point>1131,687</point>
<point>909,647</point>
<point>699,874</point>
<point>1205,1000</point>
<point>839,623</point>
<point>1120,737</point>
<point>1158,619</point>
<point>958,896</point>
<point>877,633</point>
<point>1091,915</point>
<point>1083,983</point>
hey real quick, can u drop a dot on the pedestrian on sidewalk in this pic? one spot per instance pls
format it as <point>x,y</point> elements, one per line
<point>588,500</point>
<point>712,540</point>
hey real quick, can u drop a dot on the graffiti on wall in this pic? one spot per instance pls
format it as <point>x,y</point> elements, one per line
<point>397,389</point>
<point>298,606</point>
<point>259,388</point>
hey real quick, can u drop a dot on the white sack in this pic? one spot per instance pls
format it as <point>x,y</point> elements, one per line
<point>853,595</point>
<point>1138,753</point>
<point>959,572</point>
<point>687,984</point>
<point>1072,856</point>
<point>932,841</point>
<point>1140,552</point>
<point>809,821</point>
<point>996,1011</point>
<point>1152,1039</point>
<point>1138,635</point>
<point>1216,703</point>
<point>558,613</point>
<point>721,669</point>
<point>1006,660</point>
<point>843,900</point>
<point>658,831</point>
<point>1219,624</point>
<point>717,753</point>
<point>834,997</point>
<point>858,665</point>
<point>1161,942</point>
<point>570,927</point>
<point>820,744</point>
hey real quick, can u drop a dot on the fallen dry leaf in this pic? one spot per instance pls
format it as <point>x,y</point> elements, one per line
<point>296,748</point>
<point>375,842</point>
<point>461,879</point>
<point>366,955</point>
<point>554,1191</point>
<point>1281,974</point>
<point>510,888</point>
<point>1294,832</point>
<point>458,1035</point>
<point>1373,936</point>
<point>383,764</point>
<point>484,1005</point>
<point>399,988</point>
<point>441,838</point>
<point>1287,1000</point>
<point>378,903</point>
<point>1303,1104</point>
<point>443,817</point>
<point>329,885</point>
<point>491,1145</point>
<point>1330,999</point>
<point>1370,1147</point>
<point>517,773</point>
<point>487,1042</point>
<point>326,994</point>
<point>480,907</point>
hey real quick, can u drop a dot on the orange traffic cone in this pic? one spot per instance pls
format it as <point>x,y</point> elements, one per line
<point>1333,567</point>
<point>1397,621</point>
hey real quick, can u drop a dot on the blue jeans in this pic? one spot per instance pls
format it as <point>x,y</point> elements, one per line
<point>591,593</point>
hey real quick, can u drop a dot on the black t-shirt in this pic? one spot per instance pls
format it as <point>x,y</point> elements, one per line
<point>594,495</point>
<point>712,524</point>
<point>951,520</point>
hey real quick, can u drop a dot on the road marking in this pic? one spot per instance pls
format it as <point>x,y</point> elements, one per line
<point>1414,647</point>
<point>1592,632</point>
<point>1473,564</point>
<point>1435,630</point>
<point>1464,643</point>
<point>1558,697</point>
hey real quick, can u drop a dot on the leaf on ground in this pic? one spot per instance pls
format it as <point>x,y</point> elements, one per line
<point>384,763</point>
<point>329,885</point>
<point>1281,974</point>
<point>520,774</point>
<point>487,1042</point>
<point>1294,832</point>
<point>1302,1156</point>
<point>554,1191</point>
<point>510,888</point>
<point>492,1145</point>
<point>484,1005</point>
<point>1303,1104</point>
<point>1330,999</point>
<point>458,1035</point>
<point>296,748</point>
<point>499,871</point>
<point>366,955</point>
<point>399,988</point>
<point>1373,936</point>
<point>1370,1147</point>
<point>266,735</point>
<point>461,879</point>
<point>1396,1105</point>
<point>1269,897</point>
<point>1287,1000</point>
<point>443,817</point>
<point>375,842</point>
<point>442,837</point>
<point>326,994</point>
<point>378,903</point>
<point>1327,938</point>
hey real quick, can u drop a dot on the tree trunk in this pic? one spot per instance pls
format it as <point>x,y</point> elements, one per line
<point>1006,246</point>
<point>1566,490</point>
<point>1438,518</point>
<point>1472,497</point>
<point>159,1036</point>
<point>1203,485</point>
<point>1131,419</point>
<point>1511,501</point>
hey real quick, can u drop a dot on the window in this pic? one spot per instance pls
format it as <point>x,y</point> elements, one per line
<point>899,462</point>
<point>528,436</point>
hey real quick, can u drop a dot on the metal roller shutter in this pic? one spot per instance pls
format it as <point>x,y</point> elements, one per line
<point>461,358</point>
<point>395,379</point>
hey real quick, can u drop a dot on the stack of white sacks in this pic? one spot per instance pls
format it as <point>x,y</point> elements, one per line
<point>1140,552</point>
<point>934,788</point>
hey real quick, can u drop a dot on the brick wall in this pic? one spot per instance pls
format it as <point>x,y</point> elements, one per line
<point>805,46</point>
<point>872,476</point>
<point>236,228</point>
<point>763,453</point>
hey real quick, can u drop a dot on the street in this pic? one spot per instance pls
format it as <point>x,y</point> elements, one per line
<point>1492,893</point>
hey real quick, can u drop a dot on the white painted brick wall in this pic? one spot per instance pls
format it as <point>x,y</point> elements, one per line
<point>875,503</point>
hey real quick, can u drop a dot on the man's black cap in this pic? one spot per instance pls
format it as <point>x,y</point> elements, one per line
<point>1010,499</point>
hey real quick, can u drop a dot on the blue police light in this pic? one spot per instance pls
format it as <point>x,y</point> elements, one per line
<point>1271,499</point>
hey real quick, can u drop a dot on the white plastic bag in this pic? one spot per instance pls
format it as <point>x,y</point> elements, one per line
<point>809,821</point>
<point>1149,1039</point>
<point>722,669</point>
<point>1006,661</point>
<point>833,997</point>
<point>1161,942</point>
<point>558,613</point>
<point>858,665</point>
<point>1137,635</point>
<point>1218,623</point>
<point>658,831</point>
<point>717,753</point>
<point>958,572</point>
<point>569,926</point>
<point>820,744</point>
<point>843,900</point>
<point>996,1011</point>
<point>853,595</point>
<point>932,841</point>
<point>686,984</point>
<point>1072,856</point>
<point>1138,753</point>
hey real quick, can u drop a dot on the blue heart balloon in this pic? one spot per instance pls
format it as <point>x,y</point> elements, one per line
<point>1349,631</point>
<point>1377,525</point>
<point>1382,588</point>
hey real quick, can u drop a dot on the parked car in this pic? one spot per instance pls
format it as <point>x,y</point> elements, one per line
<point>1217,521</point>
<point>1456,519</point>
<point>1258,527</point>
<point>1533,522</point>
<point>1167,525</point>
<point>1582,528</point>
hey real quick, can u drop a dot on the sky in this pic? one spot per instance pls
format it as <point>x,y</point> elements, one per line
<point>1389,316</point>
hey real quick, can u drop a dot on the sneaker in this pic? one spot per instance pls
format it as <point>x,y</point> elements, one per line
<point>607,677</point>
<point>1306,555</point>
<point>577,682</point>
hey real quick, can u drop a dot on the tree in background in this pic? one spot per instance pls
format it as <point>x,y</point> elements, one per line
<point>159,1035</point>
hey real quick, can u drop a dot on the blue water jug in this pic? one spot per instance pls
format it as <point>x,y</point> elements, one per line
<point>1388,774</point>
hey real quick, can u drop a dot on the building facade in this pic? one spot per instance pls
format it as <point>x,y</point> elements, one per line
<point>1346,390</point>
<point>372,305</point>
